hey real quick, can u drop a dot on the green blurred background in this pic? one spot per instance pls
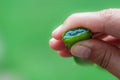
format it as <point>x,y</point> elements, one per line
<point>25,29</point>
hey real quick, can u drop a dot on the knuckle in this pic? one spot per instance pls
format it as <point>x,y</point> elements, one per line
<point>107,14</point>
<point>104,59</point>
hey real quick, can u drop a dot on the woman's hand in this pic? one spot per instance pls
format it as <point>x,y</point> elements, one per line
<point>103,49</point>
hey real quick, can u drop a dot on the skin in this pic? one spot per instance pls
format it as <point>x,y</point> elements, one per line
<point>105,45</point>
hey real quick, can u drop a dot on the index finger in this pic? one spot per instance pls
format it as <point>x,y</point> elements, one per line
<point>106,21</point>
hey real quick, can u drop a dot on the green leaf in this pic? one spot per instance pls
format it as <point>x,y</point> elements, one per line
<point>73,36</point>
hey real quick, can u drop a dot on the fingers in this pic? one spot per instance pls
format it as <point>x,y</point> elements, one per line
<point>99,22</point>
<point>105,51</point>
<point>105,21</point>
<point>78,20</point>
<point>112,40</point>
<point>99,52</point>
<point>57,44</point>
<point>60,47</point>
<point>64,53</point>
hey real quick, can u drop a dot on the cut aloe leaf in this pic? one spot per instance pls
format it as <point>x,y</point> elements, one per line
<point>73,36</point>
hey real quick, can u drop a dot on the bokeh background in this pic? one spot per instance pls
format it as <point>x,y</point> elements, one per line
<point>25,29</point>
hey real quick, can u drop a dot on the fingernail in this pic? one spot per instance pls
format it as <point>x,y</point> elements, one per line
<point>81,51</point>
<point>56,31</point>
<point>51,40</point>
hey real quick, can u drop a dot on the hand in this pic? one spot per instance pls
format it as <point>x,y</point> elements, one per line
<point>103,49</point>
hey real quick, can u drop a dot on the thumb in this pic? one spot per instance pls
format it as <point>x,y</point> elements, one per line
<point>99,52</point>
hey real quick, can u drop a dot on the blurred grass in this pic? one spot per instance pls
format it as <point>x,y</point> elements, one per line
<point>25,29</point>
